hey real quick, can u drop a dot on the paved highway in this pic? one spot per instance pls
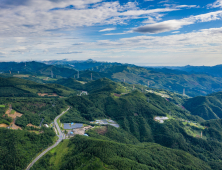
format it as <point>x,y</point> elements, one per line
<point>60,135</point>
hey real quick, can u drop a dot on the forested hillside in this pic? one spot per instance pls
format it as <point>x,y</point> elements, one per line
<point>90,153</point>
<point>184,140</point>
<point>135,113</point>
<point>194,84</point>
<point>207,107</point>
<point>15,87</point>
<point>19,147</point>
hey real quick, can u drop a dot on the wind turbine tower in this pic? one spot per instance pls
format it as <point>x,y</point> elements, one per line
<point>51,74</point>
<point>184,92</point>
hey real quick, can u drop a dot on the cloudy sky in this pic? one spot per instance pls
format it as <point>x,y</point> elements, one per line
<point>142,32</point>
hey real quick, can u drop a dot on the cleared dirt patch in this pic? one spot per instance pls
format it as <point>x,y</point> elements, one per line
<point>3,125</point>
<point>14,126</point>
<point>13,116</point>
<point>31,125</point>
<point>46,94</point>
<point>20,75</point>
<point>102,130</point>
<point>117,95</point>
<point>79,131</point>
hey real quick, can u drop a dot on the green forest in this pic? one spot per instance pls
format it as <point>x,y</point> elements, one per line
<point>190,137</point>
<point>19,147</point>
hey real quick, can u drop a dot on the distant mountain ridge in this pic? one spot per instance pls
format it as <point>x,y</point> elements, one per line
<point>82,64</point>
<point>168,79</point>
<point>215,71</point>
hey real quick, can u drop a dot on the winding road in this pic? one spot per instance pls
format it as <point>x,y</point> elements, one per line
<point>60,135</point>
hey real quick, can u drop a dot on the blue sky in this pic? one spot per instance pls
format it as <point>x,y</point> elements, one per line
<point>142,32</point>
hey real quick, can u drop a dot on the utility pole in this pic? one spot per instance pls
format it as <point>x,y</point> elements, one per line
<point>91,76</point>
<point>148,83</point>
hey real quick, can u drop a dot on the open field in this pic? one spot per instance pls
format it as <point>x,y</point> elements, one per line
<point>2,105</point>
<point>101,130</point>
<point>46,78</point>
<point>31,125</point>
<point>46,94</point>
<point>35,131</point>
<point>61,150</point>
<point>20,75</point>
<point>3,125</point>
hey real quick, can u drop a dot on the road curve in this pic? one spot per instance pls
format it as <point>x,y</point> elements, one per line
<point>60,135</point>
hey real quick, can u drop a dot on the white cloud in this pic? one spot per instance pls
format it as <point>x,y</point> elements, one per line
<point>178,48</point>
<point>162,26</point>
<point>216,4</point>
<point>121,33</point>
<point>187,6</point>
<point>170,25</point>
<point>165,1</point>
<point>107,29</point>
<point>32,18</point>
<point>175,32</point>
